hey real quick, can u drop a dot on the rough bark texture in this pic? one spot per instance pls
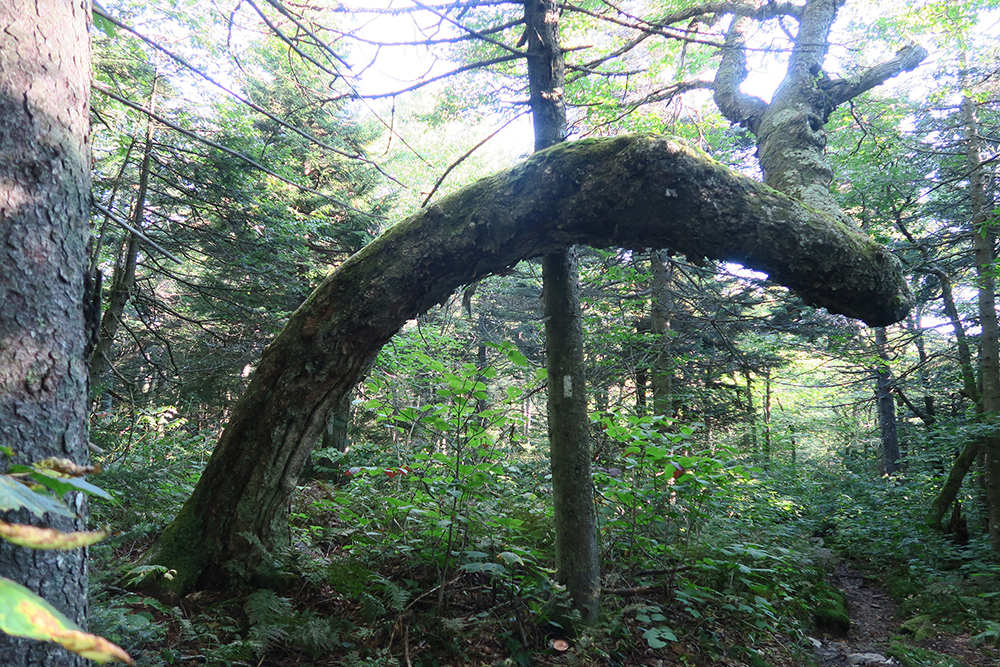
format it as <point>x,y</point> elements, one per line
<point>791,129</point>
<point>886,405</point>
<point>632,191</point>
<point>577,559</point>
<point>44,211</point>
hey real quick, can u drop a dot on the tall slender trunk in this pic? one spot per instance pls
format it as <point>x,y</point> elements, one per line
<point>984,239</point>
<point>44,215</point>
<point>123,281</point>
<point>661,371</point>
<point>767,419</point>
<point>915,324</point>
<point>970,388</point>
<point>886,405</point>
<point>750,439</point>
<point>577,558</point>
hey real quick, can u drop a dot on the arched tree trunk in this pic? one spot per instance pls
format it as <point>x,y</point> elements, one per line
<point>631,191</point>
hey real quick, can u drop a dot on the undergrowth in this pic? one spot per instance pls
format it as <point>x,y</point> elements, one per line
<point>442,553</point>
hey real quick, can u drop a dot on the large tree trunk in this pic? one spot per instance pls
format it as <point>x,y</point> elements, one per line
<point>791,129</point>
<point>631,191</point>
<point>577,561</point>
<point>44,212</point>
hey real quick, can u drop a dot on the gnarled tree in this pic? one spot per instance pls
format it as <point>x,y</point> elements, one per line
<point>632,191</point>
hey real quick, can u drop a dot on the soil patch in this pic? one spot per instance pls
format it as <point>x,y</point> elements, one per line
<point>876,627</point>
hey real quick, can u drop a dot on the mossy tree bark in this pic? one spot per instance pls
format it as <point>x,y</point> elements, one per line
<point>791,129</point>
<point>44,215</point>
<point>636,191</point>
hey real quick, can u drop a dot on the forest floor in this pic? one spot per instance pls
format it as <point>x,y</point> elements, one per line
<point>877,632</point>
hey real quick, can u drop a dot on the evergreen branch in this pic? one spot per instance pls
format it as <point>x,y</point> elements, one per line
<point>133,230</point>
<point>208,142</point>
<point>184,63</point>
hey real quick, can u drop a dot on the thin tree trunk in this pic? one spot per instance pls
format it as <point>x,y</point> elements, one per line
<point>767,420</point>
<point>577,559</point>
<point>984,239</point>
<point>966,459</point>
<point>641,381</point>
<point>886,405</point>
<point>44,216</point>
<point>661,370</point>
<point>123,281</point>
<point>750,440</point>
<point>915,325</point>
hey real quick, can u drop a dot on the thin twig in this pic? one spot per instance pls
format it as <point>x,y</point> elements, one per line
<point>466,155</point>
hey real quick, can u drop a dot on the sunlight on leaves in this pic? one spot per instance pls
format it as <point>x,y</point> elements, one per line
<point>24,614</point>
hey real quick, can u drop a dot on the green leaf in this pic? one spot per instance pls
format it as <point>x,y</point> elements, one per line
<point>63,485</point>
<point>517,358</point>
<point>24,614</point>
<point>14,495</point>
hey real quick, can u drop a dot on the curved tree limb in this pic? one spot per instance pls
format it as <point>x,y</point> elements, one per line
<point>633,191</point>
<point>841,90</point>
<point>737,106</point>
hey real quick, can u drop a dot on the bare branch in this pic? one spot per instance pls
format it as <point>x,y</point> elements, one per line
<point>133,230</point>
<point>459,70</point>
<point>465,155</point>
<point>735,105</point>
<point>473,33</point>
<point>184,63</point>
<point>906,60</point>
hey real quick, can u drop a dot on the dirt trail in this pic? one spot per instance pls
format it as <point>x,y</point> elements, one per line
<point>875,624</point>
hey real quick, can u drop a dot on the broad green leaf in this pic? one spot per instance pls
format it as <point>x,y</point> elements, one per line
<point>517,358</point>
<point>24,614</point>
<point>63,485</point>
<point>14,495</point>
<point>34,537</point>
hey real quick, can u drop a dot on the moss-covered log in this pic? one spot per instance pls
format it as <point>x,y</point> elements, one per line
<point>631,191</point>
